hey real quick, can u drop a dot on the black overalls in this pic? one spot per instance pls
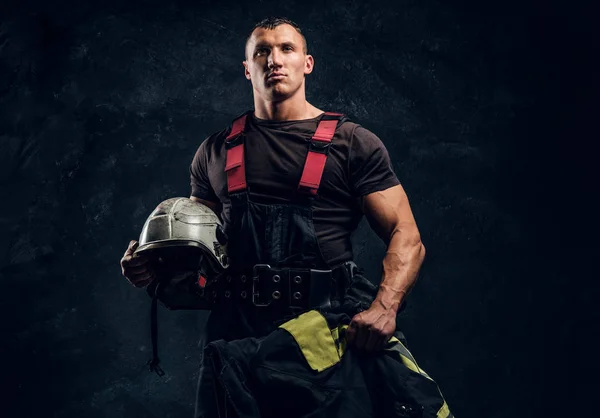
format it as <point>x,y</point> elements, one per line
<point>265,238</point>
<point>277,273</point>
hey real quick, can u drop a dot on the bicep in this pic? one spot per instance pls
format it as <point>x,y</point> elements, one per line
<point>388,211</point>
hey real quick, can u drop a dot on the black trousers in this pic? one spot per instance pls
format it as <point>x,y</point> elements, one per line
<point>261,363</point>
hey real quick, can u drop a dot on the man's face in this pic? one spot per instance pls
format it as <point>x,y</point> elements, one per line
<point>276,63</point>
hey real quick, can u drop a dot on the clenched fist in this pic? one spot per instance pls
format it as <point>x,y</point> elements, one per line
<point>136,269</point>
<point>371,330</point>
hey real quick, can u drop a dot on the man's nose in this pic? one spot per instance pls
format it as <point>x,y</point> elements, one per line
<point>275,58</point>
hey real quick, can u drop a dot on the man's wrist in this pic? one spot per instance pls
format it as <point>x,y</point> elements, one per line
<point>390,298</point>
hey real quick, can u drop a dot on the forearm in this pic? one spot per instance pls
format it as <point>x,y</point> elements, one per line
<point>401,266</point>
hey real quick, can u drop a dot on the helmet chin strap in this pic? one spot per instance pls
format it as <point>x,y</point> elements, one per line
<point>154,361</point>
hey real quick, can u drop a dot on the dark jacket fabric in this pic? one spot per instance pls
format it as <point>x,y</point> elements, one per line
<point>303,368</point>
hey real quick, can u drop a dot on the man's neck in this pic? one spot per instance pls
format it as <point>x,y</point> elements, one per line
<point>292,108</point>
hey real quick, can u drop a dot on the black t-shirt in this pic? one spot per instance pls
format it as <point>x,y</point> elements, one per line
<point>275,152</point>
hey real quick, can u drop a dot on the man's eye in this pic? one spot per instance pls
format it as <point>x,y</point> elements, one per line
<point>288,48</point>
<point>261,51</point>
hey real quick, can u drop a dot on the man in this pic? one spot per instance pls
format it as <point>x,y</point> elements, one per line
<point>270,221</point>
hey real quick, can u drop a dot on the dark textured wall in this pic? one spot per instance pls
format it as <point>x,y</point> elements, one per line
<point>103,104</point>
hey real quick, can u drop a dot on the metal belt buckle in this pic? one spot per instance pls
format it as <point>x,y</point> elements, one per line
<point>255,276</point>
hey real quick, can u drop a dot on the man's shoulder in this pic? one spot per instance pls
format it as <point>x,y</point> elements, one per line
<point>361,134</point>
<point>354,131</point>
<point>347,126</point>
<point>216,139</point>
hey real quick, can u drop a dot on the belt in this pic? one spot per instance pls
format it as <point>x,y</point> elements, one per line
<point>291,289</point>
<point>286,288</point>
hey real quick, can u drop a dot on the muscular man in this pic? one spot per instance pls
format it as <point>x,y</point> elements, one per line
<point>272,220</point>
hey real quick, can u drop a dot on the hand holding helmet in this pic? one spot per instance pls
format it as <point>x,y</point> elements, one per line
<point>181,246</point>
<point>136,268</point>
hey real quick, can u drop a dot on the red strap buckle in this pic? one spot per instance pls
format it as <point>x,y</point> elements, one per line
<point>234,163</point>
<point>317,154</point>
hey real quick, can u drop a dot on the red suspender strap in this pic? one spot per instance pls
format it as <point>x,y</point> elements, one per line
<point>317,154</point>
<point>234,162</point>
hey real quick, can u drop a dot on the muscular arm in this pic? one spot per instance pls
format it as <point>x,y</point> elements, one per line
<point>390,216</point>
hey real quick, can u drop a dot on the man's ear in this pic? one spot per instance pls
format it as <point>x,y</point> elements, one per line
<point>309,64</point>
<point>246,72</point>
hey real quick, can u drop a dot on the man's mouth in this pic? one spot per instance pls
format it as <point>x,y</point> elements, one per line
<point>275,76</point>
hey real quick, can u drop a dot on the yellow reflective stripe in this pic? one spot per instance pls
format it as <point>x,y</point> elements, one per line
<point>335,333</point>
<point>407,359</point>
<point>393,340</point>
<point>340,343</point>
<point>444,411</point>
<point>410,364</point>
<point>316,341</point>
<point>403,349</point>
<point>394,344</point>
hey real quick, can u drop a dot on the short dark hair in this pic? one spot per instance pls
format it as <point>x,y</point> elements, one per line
<point>271,23</point>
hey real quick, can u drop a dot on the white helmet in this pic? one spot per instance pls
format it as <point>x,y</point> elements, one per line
<point>183,234</point>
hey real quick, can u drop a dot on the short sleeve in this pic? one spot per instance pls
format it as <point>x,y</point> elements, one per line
<point>370,166</point>
<point>199,180</point>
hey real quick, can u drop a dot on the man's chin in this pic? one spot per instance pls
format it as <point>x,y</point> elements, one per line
<point>278,94</point>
